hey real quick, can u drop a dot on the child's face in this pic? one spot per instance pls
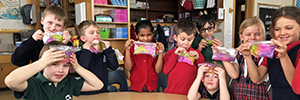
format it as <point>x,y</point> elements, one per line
<point>51,24</point>
<point>56,71</point>
<point>90,34</point>
<point>251,33</point>
<point>286,30</point>
<point>211,81</point>
<point>207,31</point>
<point>145,35</point>
<point>184,40</point>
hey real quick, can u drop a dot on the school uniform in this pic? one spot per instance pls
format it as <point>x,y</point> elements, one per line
<point>143,72</point>
<point>98,64</point>
<point>281,89</point>
<point>181,74</point>
<point>40,88</point>
<point>243,88</point>
<point>205,94</point>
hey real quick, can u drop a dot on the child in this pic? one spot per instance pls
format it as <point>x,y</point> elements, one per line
<point>143,68</point>
<point>251,30</point>
<point>52,81</point>
<point>206,27</point>
<point>213,85</point>
<point>54,19</point>
<point>181,74</point>
<point>96,62</point>
<point>284,30</point>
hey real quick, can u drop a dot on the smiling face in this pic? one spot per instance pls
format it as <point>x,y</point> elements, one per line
<point>52,24</point>
<point>250,34</point>
<point>211,81</point>
<point>91,33</point>
<point>56,71</point>
<point>207,31</point>
<point>184,40</point>
<point>145,35</point>
<point>286,30</point>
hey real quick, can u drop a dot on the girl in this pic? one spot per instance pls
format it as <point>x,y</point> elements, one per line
<point>251,29</point>
<point>284,30</point>
<point>143,68</point>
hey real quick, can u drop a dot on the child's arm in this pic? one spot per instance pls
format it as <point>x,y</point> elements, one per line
<point>193,93</point>
<point>92,82</point>
<point>26,52</point>
<point>127,58</point>
<point>224,94</point>
<point>17,79</point>
<point>112,61</point>
<point>170,59</point>
<point>202,44</point>
<point>159,63</point>
<point>286,63</point>
<point>232,69</point>
<point>256,74</point>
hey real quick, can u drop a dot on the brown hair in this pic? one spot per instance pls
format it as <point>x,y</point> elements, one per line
<point>59,13</point>
<point>290,12</point>
<point>253,21</point>
<point>46,47</point>
<point>85,24</point>
<point>185,26</point>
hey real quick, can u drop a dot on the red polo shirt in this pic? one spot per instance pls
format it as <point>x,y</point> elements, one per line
<point>181,74</point>
<point>143,71</point>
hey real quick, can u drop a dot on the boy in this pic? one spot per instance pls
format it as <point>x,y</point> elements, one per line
<point>205,27</point>
<point>54,19</point>
<point>213,85</point>
<point>52,81</point>
<point>181,74</point>
<point>96,62</point>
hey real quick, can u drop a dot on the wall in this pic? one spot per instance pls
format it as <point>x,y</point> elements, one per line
<point>228,44</point>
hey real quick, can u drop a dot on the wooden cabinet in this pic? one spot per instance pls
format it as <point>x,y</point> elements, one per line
<point>5,68</point>
<point>94,9</point>
<point>69,7</point>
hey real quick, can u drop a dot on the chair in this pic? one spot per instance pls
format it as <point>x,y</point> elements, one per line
<point>162,82</point>
<point>118,77</point>
<point>111,88</point>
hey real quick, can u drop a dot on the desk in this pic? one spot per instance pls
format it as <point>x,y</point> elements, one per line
<point>133,96</point>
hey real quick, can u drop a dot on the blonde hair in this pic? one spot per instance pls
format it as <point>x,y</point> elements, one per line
<point>253,21</point>
<point>58,12</point>
<point>85,24</point>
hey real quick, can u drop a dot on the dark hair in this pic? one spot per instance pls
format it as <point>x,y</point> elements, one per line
<point>85,24</point>
<point>185,26</point>
<point>46,46</point>
<point>143,24</point>
<point>290,12</point>
<point>59,13</point>
<point>202,20</point>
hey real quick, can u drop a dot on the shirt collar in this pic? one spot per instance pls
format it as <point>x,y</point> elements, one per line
<point>43,79</point>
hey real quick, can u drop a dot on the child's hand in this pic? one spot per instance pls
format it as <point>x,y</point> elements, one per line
<point>281,48</point>
<point>87,45</point>
<point>194,54</point>
<point>202,69</point>
<point>221,73</point>
<point>73,61</point>
<point>160,47</point>
<point>202,45</point>
<point>217,42</point>
<point>38,35</point>
<point>244,49</point>
<point>66,37</point>
<point>106,43</point>
<point>51,56</point>
<point>129,43</point>
<point>179,50</point>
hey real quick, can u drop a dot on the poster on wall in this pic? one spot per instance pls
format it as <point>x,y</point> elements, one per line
<point>10,16</point>
<point>265,12</point>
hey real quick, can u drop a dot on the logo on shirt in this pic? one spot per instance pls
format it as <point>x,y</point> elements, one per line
<point>68,97</point>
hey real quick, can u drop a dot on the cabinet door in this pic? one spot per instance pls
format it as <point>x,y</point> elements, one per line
<point>5,69</point>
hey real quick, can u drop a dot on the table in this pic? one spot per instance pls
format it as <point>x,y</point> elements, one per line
<point>133,96</point>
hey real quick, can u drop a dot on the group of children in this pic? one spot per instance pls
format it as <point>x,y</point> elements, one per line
<point>47,78</point>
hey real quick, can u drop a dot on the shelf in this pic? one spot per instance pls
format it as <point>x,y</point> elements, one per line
<point>72,10</point>
<point>161,23</point>
<point>110,6</point>
<point>71,3</point>
<point>72,18</point>
<point>138,9</point>
<point>163,10</point>
<point>118,39</point>
<point>111,23</point>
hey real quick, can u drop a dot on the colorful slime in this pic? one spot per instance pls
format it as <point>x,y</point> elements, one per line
<point>145,49</point>
<point>262,49</point>
<point>186,57</point>
<point>224,54</point>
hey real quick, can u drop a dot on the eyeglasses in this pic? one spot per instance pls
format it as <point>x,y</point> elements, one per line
<point>209,29</point>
